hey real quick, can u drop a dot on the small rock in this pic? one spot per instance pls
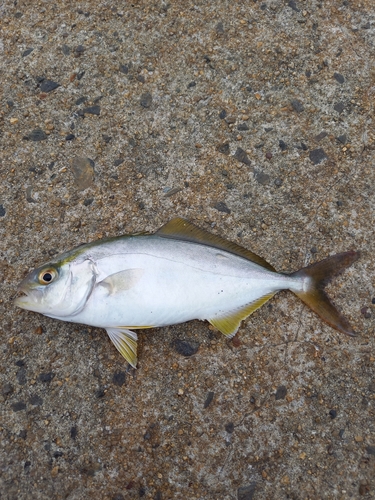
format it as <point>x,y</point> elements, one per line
<point>191,84</point>
<point>292,4</point>
<point>209,399</point>
<point>65,49</point>
<point>339,107</point>
<point>280,392</point>
<point>339,78</point>
<point>229,427</point>
<point>92,110</point>
<point>80,100</point>
<point>243,126</point>
<point>185,348</point>
<point>297,105</point>
<point>2,211</point>
<point>224,148</point>
<point>342,138</point>
<point>88,202</point>
<point>365,311</point>
<point>317,156</point>
<point>36,400</point>
<point>7,389</point>
<point>221,206</point>
<point>333,414</point>
<point>37,135</point>
<point>261,177</point>
<point>70,137</point>
<point>83,172</point>
<point>118,162</point>
<point>124,68</point>
<point>246,492</point>
<point>146,100</point>
<point>46,376</point>
<point>73,432</point>
<point>370,450</point>
<point>268,155</point>
<point>282,145</point>
<point>320,136</point>
<point>219,28</point>
<point>278,182</point>
<point>241,156</point>
<point>19,406</point>
<point>119,378</point>
<point>79,50</point>
<point>222,114</point>
<point>27,52</point>
<point>48,86</point>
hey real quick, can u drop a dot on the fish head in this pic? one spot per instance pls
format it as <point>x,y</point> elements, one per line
<point>58,289</point>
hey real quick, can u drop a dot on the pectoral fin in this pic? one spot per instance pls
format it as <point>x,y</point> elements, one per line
<point>229,324</point>
<point>125,342</point>
<point>123,280</point>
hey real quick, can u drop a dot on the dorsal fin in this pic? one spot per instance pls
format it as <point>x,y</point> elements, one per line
<point>183,230</point>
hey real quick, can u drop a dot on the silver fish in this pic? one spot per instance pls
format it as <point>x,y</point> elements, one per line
<point>177,274</point>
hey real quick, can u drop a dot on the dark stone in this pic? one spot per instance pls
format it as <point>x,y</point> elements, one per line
<point>27,52</point>
<point>370,450</point>
<point>81,100</point>
<point>141,78</point>
<point>219,27</point>
<point>297,105</point>
<point>6,389</point>
<point>241,156</point>
<point>2,211</point>
<point>79,50</point>
<point>224,148</point>
<point>229,427</point>
<point>373,300</point>
<point>73,432</point>
<point>46,377</point>
<point>81,75</point>
<point>242,126</point>
<point>107,138</point>
<point>280,392</point>
<point>308,73</point>
<point>221,206</point>
<point>313,250</point>
<point>65,49</point>
<point>184,347</point>
<point>70,137</point>
<point>23,434</point>
<point>88,201</point>
<point>268,155</point>
<point>142,491</point>
<point>278,182</point>
<point>292,4</point>
<point>282,145</point>
<point>48,85</point>
<point>119,378</point>
<point>58,454</point>
<point>303,146</point>
<point>246,492</point>
<point>320,136</point>
<point>191,85</point>
<point>36,400</point>
<point>333,414</point>
<point>21,376</point>
<point>100,393</point>
<point>18,406</point>
<point>339,107</point>
<point>261,177</point>
<point>366,26</point>
<point>158,495</point>
<point>146,100</point>
<point>18,15</point>
<point>118,162</point>
<point>339,78</point>
<point>92,110</point>
<point>124,68</point>
<point>342,138</point>
<point>209,399</point>
<point>20,362</point>
<point>222,114</point>
<point>37,135</point>
<point>317,156</point>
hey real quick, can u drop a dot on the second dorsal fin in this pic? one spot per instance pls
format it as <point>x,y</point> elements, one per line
<point>183,230</point>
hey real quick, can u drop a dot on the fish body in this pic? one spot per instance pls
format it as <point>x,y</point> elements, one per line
<point>178,274</point>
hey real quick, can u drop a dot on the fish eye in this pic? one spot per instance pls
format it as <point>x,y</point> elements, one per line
<point>46,276</point>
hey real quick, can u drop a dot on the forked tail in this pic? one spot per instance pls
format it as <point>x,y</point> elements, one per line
<point>319,274</point>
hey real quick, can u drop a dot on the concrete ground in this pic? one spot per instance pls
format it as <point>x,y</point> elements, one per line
<point>254,120</point>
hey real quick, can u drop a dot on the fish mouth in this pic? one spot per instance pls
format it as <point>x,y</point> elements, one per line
<point>30,299</point>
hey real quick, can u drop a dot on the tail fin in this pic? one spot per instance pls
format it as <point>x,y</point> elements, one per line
<point>319,274</point>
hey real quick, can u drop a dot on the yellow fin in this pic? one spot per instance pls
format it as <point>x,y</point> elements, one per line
<point>125,342</point>
<point>228,325</point>
<point>181,229</point>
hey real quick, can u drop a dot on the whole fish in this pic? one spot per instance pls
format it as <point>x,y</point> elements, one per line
<point>177,274</point>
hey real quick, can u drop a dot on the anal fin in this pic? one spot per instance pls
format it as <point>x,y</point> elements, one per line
<point>125,342</point>
<point>229,324</point>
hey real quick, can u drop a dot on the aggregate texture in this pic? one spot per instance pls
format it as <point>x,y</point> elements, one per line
<point>254,120</point>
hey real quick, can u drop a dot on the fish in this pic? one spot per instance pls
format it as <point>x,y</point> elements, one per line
<point>177,274</point>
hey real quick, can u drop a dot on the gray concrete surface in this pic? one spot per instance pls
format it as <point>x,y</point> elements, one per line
<point>252,119</point>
